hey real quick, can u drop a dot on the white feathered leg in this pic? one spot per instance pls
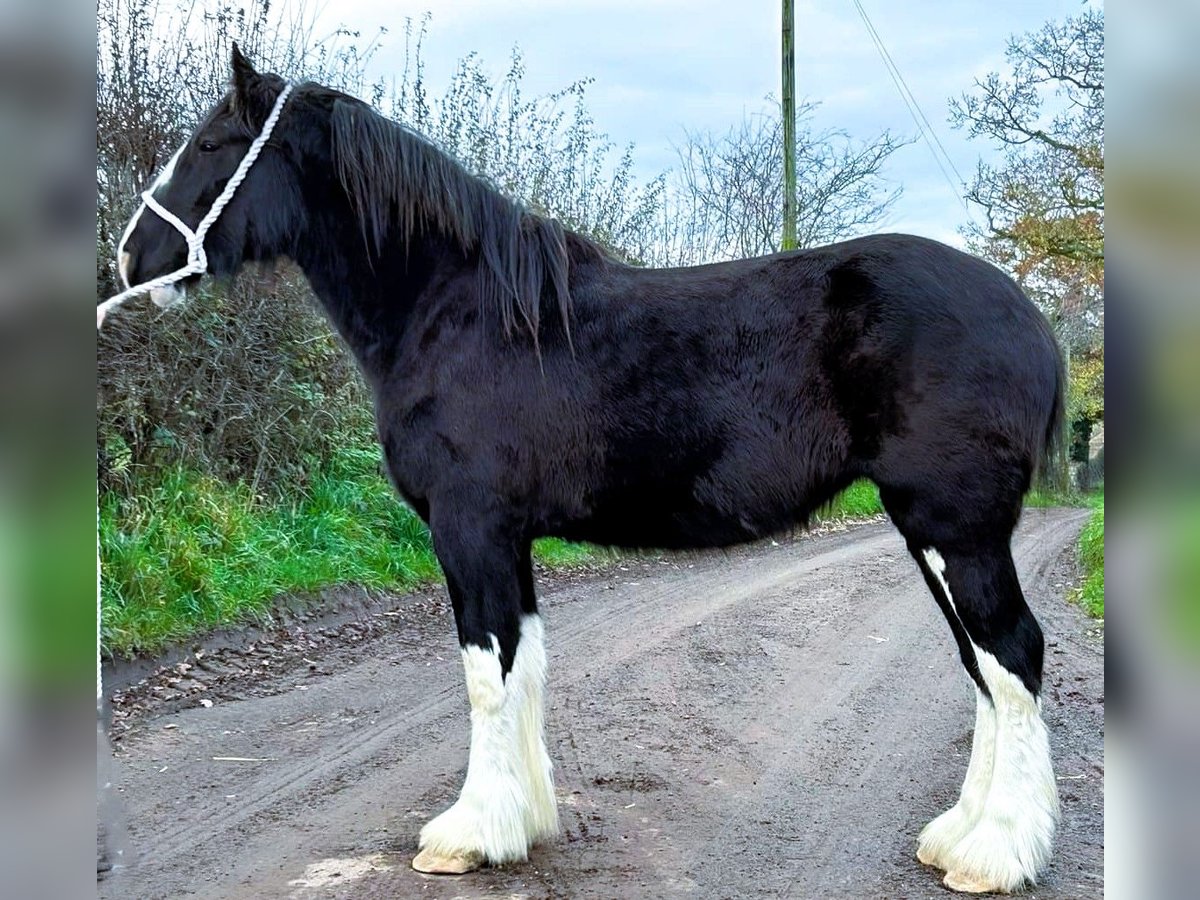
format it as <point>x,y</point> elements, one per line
<point>507,801</point>
<point>1010,844</point>
<point>528,680</point>
<point>1010,840</point>
<point>939,837</point>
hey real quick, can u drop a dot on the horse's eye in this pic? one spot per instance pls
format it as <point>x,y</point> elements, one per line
<point>208,146</point>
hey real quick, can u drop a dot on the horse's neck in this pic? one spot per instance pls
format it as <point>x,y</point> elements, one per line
<point>370,299</point>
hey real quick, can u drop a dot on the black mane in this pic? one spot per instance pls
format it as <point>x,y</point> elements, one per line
<point>401,184</point>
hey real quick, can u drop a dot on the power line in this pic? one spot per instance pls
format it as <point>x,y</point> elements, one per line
<point>888,56</point>
<point>924,128</point>
<point>910,101</point>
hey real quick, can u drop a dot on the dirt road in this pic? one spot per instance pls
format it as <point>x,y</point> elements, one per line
<point>779,720</point>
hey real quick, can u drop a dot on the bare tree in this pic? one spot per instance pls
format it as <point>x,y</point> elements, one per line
<point>1044,204</point>
<point>544,150</point>
<point>728,199</point>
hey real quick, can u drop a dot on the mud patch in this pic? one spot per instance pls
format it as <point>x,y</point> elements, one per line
<point>641,782</point>
<point>335,873</point>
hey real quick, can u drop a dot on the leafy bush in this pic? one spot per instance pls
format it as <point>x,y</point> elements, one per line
<point>245,382</point>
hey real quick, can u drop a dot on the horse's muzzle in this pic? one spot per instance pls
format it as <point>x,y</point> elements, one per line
<point>169,296</point>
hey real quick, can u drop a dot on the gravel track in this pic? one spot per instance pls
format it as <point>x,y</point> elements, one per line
<point>779,720</point>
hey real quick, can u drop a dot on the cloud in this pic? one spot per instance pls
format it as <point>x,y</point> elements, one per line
<point>663,66</point>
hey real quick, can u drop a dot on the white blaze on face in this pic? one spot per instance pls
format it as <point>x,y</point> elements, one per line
<point>123,257</point>
<point>1006,822</point>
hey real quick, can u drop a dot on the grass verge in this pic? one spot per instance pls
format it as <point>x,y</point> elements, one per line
<point>193,553</point>
<point>859,500</point>
<point>1091,558</point>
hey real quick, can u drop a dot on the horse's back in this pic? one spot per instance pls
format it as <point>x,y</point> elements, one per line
<point>849,339</point>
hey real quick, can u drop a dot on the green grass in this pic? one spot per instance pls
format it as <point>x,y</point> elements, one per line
<point>193,553</point>
<point>1042,498</point>
<point>560,554</point>
<point>859,500</point>
<point>1091,558</point>
<point>1091,543</point>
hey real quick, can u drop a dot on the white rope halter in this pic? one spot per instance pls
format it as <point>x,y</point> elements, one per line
<point>197,260</point>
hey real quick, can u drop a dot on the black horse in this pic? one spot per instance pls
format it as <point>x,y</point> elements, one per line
<point>527,384</point>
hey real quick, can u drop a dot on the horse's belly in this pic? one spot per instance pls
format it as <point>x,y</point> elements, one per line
<point>633,522</point>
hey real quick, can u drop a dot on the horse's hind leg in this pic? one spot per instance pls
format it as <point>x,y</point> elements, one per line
<point>507,801</point>
<point>939,837</point>
<point>998,836</point>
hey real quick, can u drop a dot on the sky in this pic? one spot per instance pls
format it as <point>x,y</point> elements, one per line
<point>663,67</point>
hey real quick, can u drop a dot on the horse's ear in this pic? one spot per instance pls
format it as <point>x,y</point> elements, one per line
<point>244,77</point>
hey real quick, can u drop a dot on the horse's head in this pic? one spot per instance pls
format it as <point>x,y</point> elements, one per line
<point>260,220</point>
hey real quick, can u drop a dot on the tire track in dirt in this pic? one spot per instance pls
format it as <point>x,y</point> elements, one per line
<point>859,771</point>
<point>714,758</point>
<point>445,701</point>
<point>780,808</point>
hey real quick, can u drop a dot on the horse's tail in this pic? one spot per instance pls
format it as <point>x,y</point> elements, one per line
<point>1055,435</point>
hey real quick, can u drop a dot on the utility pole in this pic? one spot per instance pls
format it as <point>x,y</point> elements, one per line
<point>789,129</point>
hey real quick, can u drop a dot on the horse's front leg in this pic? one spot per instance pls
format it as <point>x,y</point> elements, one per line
<point>507,801</point>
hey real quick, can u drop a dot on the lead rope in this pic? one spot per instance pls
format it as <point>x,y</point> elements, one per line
<point>197,260</point>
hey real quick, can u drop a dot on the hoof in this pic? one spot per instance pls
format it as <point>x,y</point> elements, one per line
<point>969,884</point>
<point>926,856</point>
<point>433,863</point>
<point>935,846</point>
